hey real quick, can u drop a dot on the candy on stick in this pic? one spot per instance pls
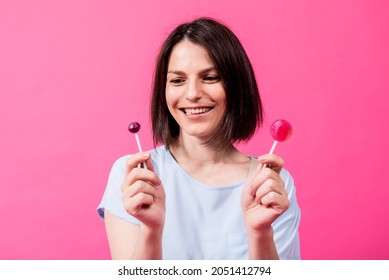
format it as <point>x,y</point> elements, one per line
<point>134,127</point>
<point>280,130</point>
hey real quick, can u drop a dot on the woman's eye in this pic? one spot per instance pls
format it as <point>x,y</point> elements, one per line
<point>177,81</point>
<point>211,78</point>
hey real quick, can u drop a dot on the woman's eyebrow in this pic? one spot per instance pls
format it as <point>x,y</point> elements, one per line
<point>209,69</point>
<point>206,70</point>
<point>175,72</point>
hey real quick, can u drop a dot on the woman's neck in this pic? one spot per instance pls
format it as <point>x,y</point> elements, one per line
<point>200,153</point>
<point>208,164</point>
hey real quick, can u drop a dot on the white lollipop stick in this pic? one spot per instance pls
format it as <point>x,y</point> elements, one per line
<point>138,143</point>
<point>134,128</point>
<point>273,147</point>
<point>140,148</point>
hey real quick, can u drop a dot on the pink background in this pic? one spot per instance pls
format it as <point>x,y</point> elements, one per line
<point>74,73</point>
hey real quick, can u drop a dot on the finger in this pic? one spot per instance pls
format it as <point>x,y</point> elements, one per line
<point>135,160</point>
<point>137,202</point>
<point>149,164</point>
<point>272,161</point>
<point>275,201</point>
<point>260,177</point>
<point>270,185</point>
<point>141,174</point>
<point>139,187</point>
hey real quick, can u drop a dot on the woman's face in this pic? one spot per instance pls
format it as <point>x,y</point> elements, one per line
<point>195,94</point>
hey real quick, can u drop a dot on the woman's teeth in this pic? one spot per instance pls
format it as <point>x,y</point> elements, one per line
<point>196,111</point>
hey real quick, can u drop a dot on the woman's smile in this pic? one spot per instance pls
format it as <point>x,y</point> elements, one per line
<point>196,111</point>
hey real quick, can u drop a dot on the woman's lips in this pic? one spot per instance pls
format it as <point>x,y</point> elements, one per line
<point>196,111</point>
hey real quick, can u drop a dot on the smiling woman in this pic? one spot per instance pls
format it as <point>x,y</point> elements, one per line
<point>229,62</point>
<point>200,197</point>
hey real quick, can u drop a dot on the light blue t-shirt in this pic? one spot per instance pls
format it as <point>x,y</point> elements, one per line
<point>203,222</point>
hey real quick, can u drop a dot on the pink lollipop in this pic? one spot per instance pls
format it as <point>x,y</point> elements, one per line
<point>280,130</point>
<point>134,127</point>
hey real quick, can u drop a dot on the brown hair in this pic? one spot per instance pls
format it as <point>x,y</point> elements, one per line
<point>244,109</point>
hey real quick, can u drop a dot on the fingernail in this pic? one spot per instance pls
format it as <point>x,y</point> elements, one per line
<point>146,155</point>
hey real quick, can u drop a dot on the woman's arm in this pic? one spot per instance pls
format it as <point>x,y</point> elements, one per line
<point>129,241</point>
<point>264,199</point>
<point>261,245</point>
<point>143,198</point>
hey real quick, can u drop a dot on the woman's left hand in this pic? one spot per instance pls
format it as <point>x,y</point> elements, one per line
<point>264,197</point>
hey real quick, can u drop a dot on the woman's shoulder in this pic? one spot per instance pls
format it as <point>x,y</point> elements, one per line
<point>159,152</point>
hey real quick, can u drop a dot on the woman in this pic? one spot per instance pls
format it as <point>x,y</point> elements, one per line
<point>201,198</point>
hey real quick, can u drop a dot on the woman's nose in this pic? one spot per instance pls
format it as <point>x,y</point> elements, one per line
<point>194,91</point>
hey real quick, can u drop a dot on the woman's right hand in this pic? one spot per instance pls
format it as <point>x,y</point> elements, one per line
<point>142,192</point>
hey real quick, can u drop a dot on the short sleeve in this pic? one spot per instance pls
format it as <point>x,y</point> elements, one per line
<point>286,226</point>
<point>112,198</point>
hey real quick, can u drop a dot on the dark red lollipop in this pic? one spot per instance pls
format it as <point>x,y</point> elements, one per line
<point>134,127</point>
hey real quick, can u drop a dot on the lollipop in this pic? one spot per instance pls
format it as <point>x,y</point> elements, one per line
<point>134,127</point>
<point>280,130</point>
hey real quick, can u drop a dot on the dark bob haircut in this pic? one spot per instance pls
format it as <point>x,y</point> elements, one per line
<point>244,109</point>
